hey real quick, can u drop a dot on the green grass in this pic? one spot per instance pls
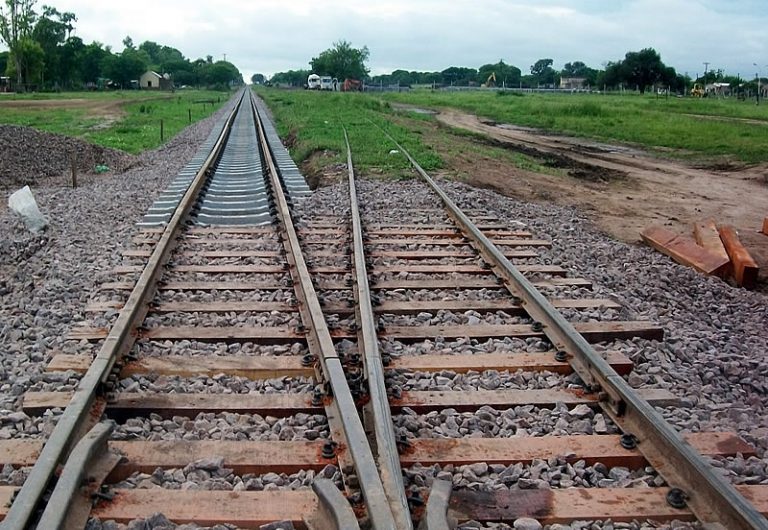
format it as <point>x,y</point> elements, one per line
<point>138,130</point>
<point>312,123</point>
<point>648,121</point>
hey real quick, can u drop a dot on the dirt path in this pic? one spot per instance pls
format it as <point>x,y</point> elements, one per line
<point>625,189</point>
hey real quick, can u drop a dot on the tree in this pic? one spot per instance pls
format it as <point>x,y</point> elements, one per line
<point>124,67</point>
<point>17,19</point>
<point>51,32</point>
<point>91,59</point>
<point>643,69</point>
<point>221,73</point>
<point>70,65</point>
<point>291,78</point>
<point>506,74</point>
<point>459,75</point>
<point>30,59</point>
<point>543,72</point>
<point>579,69</point>
<point>342,61</point>
<point>257,79</point>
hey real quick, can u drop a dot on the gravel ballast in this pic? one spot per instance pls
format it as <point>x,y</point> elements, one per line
<point>713,355</point>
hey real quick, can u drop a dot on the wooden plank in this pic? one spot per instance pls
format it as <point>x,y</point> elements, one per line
<point>592,331</point>
<point>277,269</point>
<point>201,307</point>
<point>290,365</point>
<point>168,405</point>
<point>438,254</point>
<point>409,307</point>
<point>229,285</point>
<point>745,269</point>
<point>500,241</point>
<point>144,457</point>
<point>448,269</point>
<point>256,334</point>
<point>684,250</point>
<point>144,253</point>
<point>288,457</point>
<point>324,284</point>
<point>210,269</point>
<point>552,506</point>
<point>242,509</point>
<point>592,449</point>
<point>706,235</point>
<point>537,361</point>
<point>468,283</point>
<point>195,241</point>
<point>765,226</point>
<point>442,231</point>
<point>398,307</point>
<point>423,402</point>
<point>250,509</point>
<point>261,367</point>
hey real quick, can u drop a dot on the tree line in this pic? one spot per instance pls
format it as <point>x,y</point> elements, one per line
<point>44,55</point>
<point>638,70</point>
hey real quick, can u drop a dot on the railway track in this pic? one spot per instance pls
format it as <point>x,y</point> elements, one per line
<point>360,366</point>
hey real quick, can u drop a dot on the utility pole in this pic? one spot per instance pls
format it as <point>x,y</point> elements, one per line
<point>757,77</point>
<point>706,66</point>
<point>225,57</point>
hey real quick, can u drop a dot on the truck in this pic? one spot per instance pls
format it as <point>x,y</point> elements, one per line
<point>313,82</point>
<point>327,83</point>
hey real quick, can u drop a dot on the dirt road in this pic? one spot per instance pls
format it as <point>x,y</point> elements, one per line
<point>623,188</point>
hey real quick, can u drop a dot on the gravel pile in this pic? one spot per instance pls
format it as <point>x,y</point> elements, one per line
<point>30,155</point>
<point>46,280</point>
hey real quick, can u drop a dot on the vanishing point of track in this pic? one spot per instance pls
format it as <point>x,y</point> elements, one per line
<point>327,304</point>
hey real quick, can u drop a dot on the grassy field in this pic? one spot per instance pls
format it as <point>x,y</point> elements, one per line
<point>129,120</point>
<point>708,130</point>
<point>312,124</point>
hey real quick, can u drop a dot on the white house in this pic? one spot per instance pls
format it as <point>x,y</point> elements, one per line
<point>153,81</point>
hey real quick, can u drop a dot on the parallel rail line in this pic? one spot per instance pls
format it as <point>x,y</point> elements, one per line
<point>339,322</point>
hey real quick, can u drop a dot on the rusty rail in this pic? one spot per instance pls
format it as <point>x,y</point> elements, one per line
<point>378,413</point>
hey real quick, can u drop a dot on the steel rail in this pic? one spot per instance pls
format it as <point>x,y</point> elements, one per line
<point>709,496</point>
<point>120,340</point>
<point>321,344</point>
<point>87,466</point>
<point>387,455</point>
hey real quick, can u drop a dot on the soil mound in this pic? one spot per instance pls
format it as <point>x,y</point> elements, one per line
<point>29,155</point>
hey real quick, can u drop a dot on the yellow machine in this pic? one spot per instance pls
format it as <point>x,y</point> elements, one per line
<point>698,91</point>
<point>491,81</point>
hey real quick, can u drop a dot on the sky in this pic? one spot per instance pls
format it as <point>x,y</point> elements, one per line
<point>269,36</point>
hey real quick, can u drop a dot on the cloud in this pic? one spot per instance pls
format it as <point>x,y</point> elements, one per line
<point>273,35</point>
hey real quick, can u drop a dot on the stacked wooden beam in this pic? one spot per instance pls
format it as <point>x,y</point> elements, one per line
<point>714,250</point>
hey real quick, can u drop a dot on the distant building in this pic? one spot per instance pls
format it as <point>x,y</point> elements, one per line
<point>153,81</point>
<point>573,83</point>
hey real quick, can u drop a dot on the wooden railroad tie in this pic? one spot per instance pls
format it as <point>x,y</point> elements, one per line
<point>592,331</point>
